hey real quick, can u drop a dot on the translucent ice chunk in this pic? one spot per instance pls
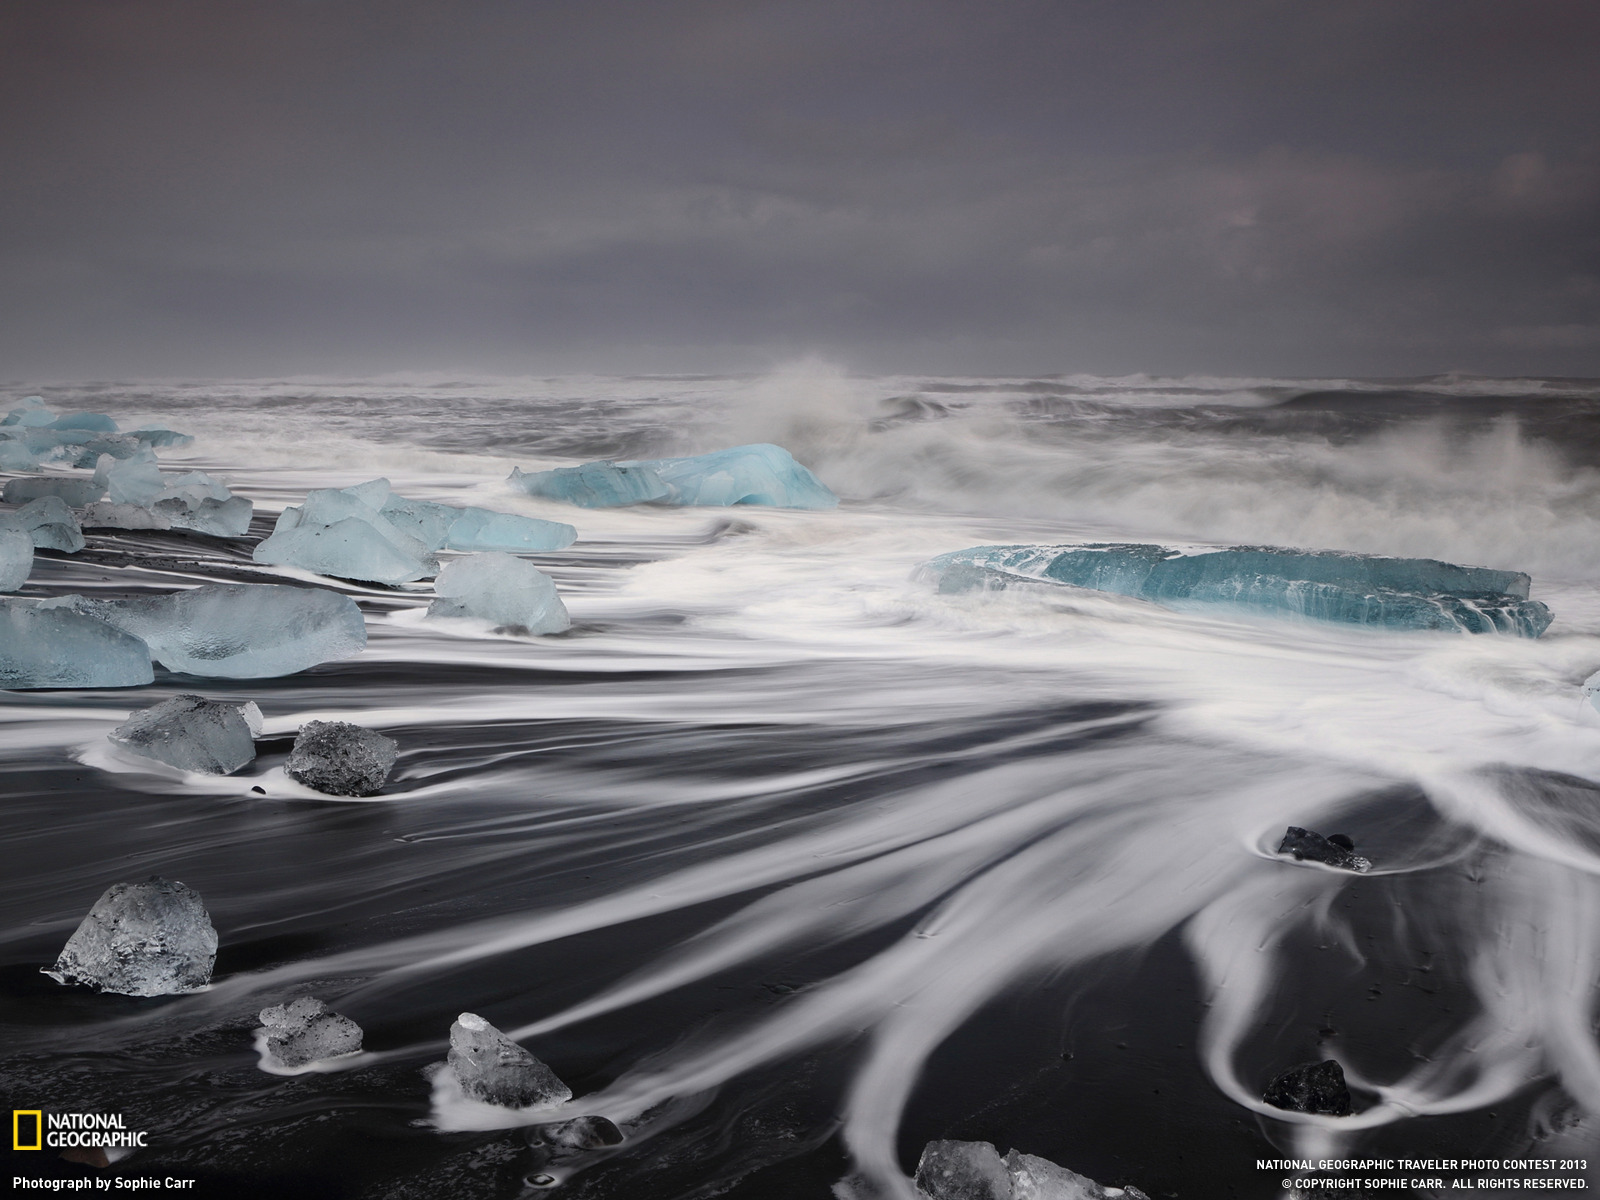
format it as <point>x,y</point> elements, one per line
<point>595,484</point>
<point>502,589</point>
<point>1362,589</point>
<point>239,631</point>
<point>135,480</point>
<point>481,529</point>
<point>348,549</point>
<point>97,422</point>
<point>307,1030</point>
<point>103,514</point>
<point>157,438</point>
<point>758,474</point>
<point>975,1171</point>
<point>142,939</point>
<point>51,525</point>
<point>16,554</point>
<point>15,456</point>
<point>28,404</point>
<point>424,520</point>
<point>75,492</point>
<point>192,733</point>
<point>220,518</point>
<point>49,645</point>
<point>492,1068</point>
<point>341,759</point>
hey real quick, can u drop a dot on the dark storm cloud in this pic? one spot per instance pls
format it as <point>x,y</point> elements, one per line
<point>222,186</point>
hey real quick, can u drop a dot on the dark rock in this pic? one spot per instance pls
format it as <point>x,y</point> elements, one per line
<point>492,1068</point>
<point>341,759</point>
<point>582,1133</point>
<point>1335,851</point>
<point>307,1030</point>
<point>141,939</point>
<point>1311,1088</point>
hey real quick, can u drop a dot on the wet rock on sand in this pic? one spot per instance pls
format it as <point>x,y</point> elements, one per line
<point>1311,1088</point>
<point>141,939</point>
<point>1336,849</point>
<point>307,1030</point>
<point>341,759</point>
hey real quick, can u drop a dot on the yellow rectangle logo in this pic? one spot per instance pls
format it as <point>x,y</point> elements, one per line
<point>20,1127</point>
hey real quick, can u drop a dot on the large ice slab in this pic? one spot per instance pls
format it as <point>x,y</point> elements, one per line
<point>142,939</point>
<point>950,1170</point>
<point>342,532</point>
<point>74,490</point>
<point>341,759</point>
<point>239,631</point>
<point>492,1068</point>
<point>761,474</point>
<point>193,733</point>
<point>500,588</point>
<point>16,555</point>
<point>306,1031</point>
<point>50,645</point>
<point>1324,585</point>
<point>483,529</point>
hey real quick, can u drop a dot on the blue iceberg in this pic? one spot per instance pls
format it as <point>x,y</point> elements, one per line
<point>47,644</point>
<point>761,474</point>
<point>483,529</point>
<point>238,631</point>
<point>500,588</point>
<point>1323,585</point>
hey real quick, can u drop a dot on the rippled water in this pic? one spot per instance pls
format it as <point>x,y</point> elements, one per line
<point>788,865</point>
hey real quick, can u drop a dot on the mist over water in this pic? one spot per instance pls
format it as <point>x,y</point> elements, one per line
<point>788,864</point>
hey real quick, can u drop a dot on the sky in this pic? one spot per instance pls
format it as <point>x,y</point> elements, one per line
<point>1290,187</point>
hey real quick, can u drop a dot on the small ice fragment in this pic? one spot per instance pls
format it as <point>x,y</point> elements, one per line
<point>239,631</point>
<point>16,554</point>
<point>307,1030</point>
<point>103,514</point>
<point>1336,850</point>
<point>1311,1088</point>
<point>51,525</point>
<point>135,480</point>
<point>159,438</point>
<point>581,1133</point>
<point>192,733</point>
<point>1034,1178</point>
<point>48,645</point>
<point>500,588</point>
<point>341,759</point>
<point>75,492</point>
<point>142,939</point>
<point>1323,585</point>
<point>492,1068</point>
<point>481,529</point>
<point>962,1171</point>
<point>761,474</point>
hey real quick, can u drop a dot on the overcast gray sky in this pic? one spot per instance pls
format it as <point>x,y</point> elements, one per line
<point>1009,186</point>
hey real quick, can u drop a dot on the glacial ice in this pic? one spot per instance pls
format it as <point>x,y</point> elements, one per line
<point>483,529</point>
<point>73,490</point>
<point>238,631</point>
<point>500,588</point>
<point>50,524</point>
<point>305,1031</point>
<point>1325,585</point>
<point>950,1170</point>
<point>103,514</point>
<point>136,480</point>
<point>16,555</point>
<point>342,532</point>
<point>193,733</point>
<point>341,759</point>
<point>142,939</point>
<point>761,474</point>
<point>427,522</point>
<point>92,421</point>
<point>492,1068</point>
<point>49,645</point>
<point>1311,1088</point>
<point>15,456</point>
<point>157,438</point>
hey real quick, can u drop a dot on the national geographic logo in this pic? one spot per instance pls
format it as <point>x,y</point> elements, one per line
<point>32,1129</point>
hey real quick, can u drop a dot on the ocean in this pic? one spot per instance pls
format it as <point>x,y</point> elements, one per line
<point>788,864</point>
